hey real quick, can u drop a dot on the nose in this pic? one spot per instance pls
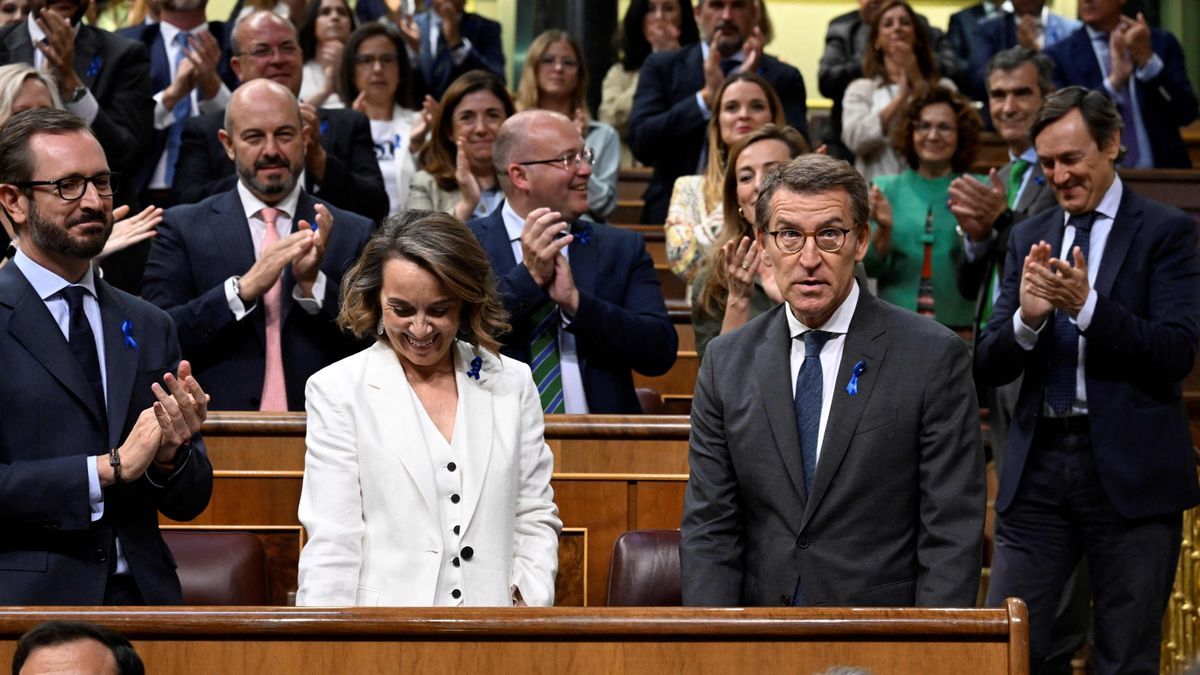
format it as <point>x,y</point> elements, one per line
<point>91,198</point>
<point>420,326</point>
<point>377,64</point>
<point>810,255</point>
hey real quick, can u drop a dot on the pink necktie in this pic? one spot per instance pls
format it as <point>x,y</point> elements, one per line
<point>274,394</point>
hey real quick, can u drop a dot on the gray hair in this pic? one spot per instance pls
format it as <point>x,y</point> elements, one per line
<point>814,174</point>
<point>1011,59</point>
<point>235,35</point>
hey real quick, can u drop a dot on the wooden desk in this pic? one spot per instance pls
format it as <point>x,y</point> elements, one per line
<point>249,641</point>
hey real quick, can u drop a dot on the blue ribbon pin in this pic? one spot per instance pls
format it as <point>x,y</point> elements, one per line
<point>476,364</point>
<point>852,386</point>
<point>94,67</point>
<point>583,234</point>
<point>127,332</point>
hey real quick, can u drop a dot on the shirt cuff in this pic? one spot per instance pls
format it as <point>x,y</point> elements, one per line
<point>85,108</point>
<point>95,494</point>
<point>186,451</point>
<point>704,110</point>
<point>459,54</point>
<point>163,118</point>
<point>1026,337</point>
<point>974,250</point>
<point>311,305</point>
<point>1151,70</point>
<point>218,102</point>
<point>1084,319</point>
<point>239,308</point>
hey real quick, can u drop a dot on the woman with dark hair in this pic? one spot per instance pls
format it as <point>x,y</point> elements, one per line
<point>915,247</point>
<point>554,77</point>
<point>744,102</point>
<point>327,25</point>
<point>457,175</point>
<point>377,80</point>
<point>649,26</point>
<point>898,66</point>
<point>733,285</point>
<point>427,477</point>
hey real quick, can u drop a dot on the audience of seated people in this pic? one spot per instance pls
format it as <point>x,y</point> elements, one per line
<point>555,78</point>
<point>327,25</point>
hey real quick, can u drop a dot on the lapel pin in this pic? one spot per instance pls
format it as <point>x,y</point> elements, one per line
<point>127,334</point>
<point>94,67</point>
<point>476,364</point>
<point>852,386</point>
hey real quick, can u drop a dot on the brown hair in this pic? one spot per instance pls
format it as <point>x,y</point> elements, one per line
<point>714,168</point>
<point>814,174</point>
<point>438,155</point>
<point>735,226</point>
<point>922,49</point>
<point>1099,113</point>
<point>441,245</point>
<point>967,124</point>
<point>527,97</point>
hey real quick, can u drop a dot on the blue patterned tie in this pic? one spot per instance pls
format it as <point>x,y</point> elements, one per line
<point>809,390</point>
<point>181,111</point>
<point>1064,358</point>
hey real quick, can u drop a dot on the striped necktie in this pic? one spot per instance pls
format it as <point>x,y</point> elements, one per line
<point>544,357</point>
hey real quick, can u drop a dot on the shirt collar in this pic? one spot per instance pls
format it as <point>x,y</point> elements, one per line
<point>252,205</point>
<point>169,31</point>
<point>513,224</point>
<point>838,323</point>
<point>1095,35</point>
<point>47,284</point>
<point>1030,155</point>
<point>1112,199</point>
<point>36,34</point>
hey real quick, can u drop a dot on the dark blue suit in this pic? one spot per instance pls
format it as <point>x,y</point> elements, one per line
<point>1137,472</point>
<point>999,33</point>
<point>667,129</point>
<point>622,322</point>
<point>198,247</point>
<point>1167,102</point>
<point>962,35</point>
<point>51,551</point>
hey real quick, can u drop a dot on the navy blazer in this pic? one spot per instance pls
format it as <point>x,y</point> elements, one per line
<point>352,178</point>
<point>1000,33</point>
<point>51,551</point>
<point>1141,344</point>
<point>962,35</point>
<point>1167,102</point>
<point>161,76</point>
<point>666,127</point>
<point>198,247</point>
<point>622,322</point>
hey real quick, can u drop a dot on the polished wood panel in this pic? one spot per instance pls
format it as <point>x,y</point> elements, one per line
<point>680,380</point>
<point>617,640</point>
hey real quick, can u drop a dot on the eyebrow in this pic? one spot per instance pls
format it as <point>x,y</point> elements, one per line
<point>832,220</point>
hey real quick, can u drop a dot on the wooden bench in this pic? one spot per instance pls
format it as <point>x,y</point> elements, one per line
<point>251,641</point>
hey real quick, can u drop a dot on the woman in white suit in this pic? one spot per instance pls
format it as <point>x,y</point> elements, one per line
<point>427,478</point>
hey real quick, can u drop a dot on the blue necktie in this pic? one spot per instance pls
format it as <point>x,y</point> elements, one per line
<point>1064,358</point>
<point>181,111</point>
<point>1129,136</point>
<point>809,391</point>
<point>729,65</point>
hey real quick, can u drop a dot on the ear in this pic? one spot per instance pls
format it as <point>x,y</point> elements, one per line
<point>862,241</point>
<point>235,64</point>
<point>761,238</point>
<point>227,142</point>
<point>1112,149</point>
<point>518,175</point>
<point>16,206</point>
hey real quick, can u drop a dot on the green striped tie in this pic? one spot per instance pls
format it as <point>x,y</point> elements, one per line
<point>544,361</point>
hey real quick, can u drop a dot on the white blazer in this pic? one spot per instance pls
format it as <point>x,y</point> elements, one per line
<point>374,536</point>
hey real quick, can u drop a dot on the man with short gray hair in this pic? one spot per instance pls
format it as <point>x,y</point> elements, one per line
<point>835,451</point>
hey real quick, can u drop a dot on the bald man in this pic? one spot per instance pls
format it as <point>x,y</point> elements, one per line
<point>251,275</point>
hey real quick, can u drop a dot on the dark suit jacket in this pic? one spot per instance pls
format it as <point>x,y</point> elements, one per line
<point>487,52</point>
<point>1167,102</point>
<point>999,33</point>
<point>352,178</point>
<point>117,71</point>
<point>161,75</point>
<point>51,551</point>
<point>666,127</point>
<point>1141,343</point>
<point>198,247</point>
<point>963,38</point>
<point>622,322</point>
<point>896,513</point>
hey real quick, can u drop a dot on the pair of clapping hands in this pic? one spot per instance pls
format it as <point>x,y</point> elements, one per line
<point>544,237</point>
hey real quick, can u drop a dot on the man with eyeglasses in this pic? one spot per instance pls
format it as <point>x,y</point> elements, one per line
<point>835,455</point>
<point>339,161</point>
<point>585,306</point>
<point>101,418</point>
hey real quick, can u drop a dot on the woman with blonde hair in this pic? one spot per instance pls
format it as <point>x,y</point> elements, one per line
<point>555,77</point>
<point>427,477</point>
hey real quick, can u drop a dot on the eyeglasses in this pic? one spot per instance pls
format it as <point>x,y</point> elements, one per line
<point>829,239</point>
<point>928,128</point>
<point>73,187</point>
<point>369,60</point>
<point>566,62</point>
<point>569,161</point>
<point>287,49</point>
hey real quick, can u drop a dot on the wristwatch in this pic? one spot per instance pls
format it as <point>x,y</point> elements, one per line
<point>78,94</point>
<point>237,291</point>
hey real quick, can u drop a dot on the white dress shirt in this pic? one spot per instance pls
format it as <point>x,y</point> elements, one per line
<point>85,108</point>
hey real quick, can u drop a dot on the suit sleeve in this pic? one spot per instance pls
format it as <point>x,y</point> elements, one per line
<point>635,334</point>
<point>486,52</point>
<point>656,123</point>
<point>710,549</point>
<point>862,130</point>
<point>198,313</point>
<point>838,68</point>
<point>47,493</point>
<point>794,97</point>
<point>127,113</point>
<point>952,485</point>
<point>355,183</point>
<point>1171,87</point>
<point>537,525</point>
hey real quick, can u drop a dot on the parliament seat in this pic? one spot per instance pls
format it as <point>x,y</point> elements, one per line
<point>219,568</point>
<point>645,570</point>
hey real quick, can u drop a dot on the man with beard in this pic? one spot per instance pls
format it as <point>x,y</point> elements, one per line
<point>251,275</point>
<point>99,433</point>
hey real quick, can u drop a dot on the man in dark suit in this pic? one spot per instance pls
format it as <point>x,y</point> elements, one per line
<point>583,300</point>
<point>835,453</point>
<point>1139,67</point>
<point>339,164</point>
<point>675,92</point>
<point>189,67</point>
<point>1099,459</point>
<point>963,40</point>
<point>92,447</point>
<point>252,286</point>
<point>842,61</point>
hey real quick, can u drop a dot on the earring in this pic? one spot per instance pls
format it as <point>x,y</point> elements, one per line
<point>379,328</point>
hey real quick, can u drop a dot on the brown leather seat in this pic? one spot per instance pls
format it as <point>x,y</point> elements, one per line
<point>645,570</point>
<point>219,568</point>
<point>650,400</point>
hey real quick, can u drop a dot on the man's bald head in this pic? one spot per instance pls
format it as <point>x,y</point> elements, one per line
<point>256,94</point>
<point>265,46</point>
<point>264,136</point>
<point>538,157</point>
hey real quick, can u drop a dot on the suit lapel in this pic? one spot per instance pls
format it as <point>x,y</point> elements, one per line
<point>160,66</point>
<point>584,266</point>
<point>1033,190</point>
<point>866,342</point>
<point>495,240</point>
<point>771,362</point>
<point>477,398</point>
<point>88,59</point>
<point>1124,229</point>
<point>20,45</point>
<point>120,358</point>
